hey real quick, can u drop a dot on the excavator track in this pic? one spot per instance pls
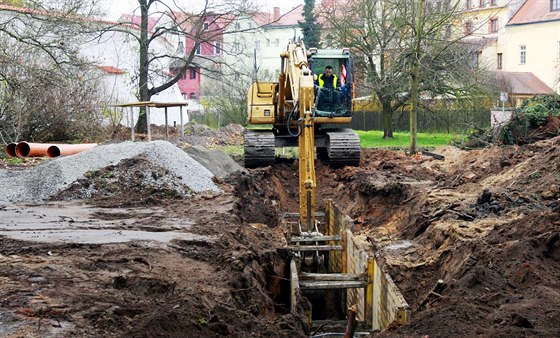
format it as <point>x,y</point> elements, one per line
<point>259,148</point>
<point>343,147</point>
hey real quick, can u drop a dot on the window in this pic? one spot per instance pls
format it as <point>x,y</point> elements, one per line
<point>258,45</point>
<point>448,31</point>
<point>493,25</point>
<point>192,96</point>
<point>475,59</point>
<point>492,2</point>
<point>555,5</point>
<point>237,26</point>
<point>468,4</point>
<point>236,47</point>
<point>198,49</point>
<point>481,3</point>
<point>176,71</point>
<point>268,42</point>
<point>184,95</point>
<point>180,47</point>
<point>192,73</point>
<point>499,61</point>
<point>522,54</point>
<point>468,28</point>
<point>206,25</point>
<point>277,42</point>
<point>217,48</point>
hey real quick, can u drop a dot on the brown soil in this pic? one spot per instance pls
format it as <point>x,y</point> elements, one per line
<point>486,222</point>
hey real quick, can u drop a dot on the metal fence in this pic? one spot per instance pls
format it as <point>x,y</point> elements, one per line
<point>427,121</point>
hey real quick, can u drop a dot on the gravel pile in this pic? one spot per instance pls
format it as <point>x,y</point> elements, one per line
<point>41,182</point>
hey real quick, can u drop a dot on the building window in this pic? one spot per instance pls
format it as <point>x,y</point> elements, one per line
<point>268,42</point>
<point>184,95</point>
<point>258,45</point>
<point>522,54</point>
<point>468,28</point>
<point>555,5</point>
<point>448,31</point>
<point>499,61</point>
<point>217,48</point>
<point>180,47</point>
<point>192,96</point>
<point>198,49</point>
<point>237,26</point>
<point>176,71</point>
<point>468,4</point>
<point>236,47</point>
<point>475,59</point>
<point>192,73</point>
<point>481,3</point>
<point>206,25</point>
<point>492,2</point>
<point>493,25</point>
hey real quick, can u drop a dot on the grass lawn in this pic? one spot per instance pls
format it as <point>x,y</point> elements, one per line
<point>374,139</point>
<point>371,139</point>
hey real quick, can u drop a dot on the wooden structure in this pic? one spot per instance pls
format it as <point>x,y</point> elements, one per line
<point>354,268</point>
<point>148,105</point>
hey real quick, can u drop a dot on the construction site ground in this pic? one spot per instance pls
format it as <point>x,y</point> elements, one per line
<point>134,261</point>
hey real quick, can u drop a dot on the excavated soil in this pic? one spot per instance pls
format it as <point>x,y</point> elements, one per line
<point>484,222</point>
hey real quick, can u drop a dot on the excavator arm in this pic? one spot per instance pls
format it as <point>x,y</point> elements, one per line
<point>299,82</point>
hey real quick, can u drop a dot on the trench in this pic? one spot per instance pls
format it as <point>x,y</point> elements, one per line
<point>378,301</point>
<point>269,194</point>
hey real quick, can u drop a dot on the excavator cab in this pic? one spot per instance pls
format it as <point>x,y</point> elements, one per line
<point>332,102</point>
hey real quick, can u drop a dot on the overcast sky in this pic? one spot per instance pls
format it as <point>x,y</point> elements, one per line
<point>114,8</point>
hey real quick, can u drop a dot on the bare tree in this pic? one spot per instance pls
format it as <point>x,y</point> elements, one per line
<point>404,48</point>
<point>197,26</point>
<point>46,89</point>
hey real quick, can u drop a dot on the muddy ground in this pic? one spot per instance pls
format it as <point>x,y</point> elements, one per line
<point>485,222</point>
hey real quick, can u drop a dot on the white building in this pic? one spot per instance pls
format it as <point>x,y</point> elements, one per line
<point>115,54</point>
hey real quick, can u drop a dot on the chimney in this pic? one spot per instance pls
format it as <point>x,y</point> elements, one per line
<point>276,14</point>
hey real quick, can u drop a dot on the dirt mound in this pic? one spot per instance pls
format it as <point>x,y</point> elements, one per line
<point>217,162</point>
<point>132,182</point>
<point>199,134</point>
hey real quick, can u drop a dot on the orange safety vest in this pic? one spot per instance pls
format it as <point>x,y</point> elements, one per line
<point>322,82</point>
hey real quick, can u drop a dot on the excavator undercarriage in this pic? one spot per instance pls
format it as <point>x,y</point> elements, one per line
<point>338,147</point>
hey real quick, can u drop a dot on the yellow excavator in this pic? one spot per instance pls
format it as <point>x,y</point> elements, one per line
<point>295,112</point>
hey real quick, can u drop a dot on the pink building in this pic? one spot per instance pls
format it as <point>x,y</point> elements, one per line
<point>210,46</point>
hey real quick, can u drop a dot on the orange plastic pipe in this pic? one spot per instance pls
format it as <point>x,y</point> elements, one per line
<point>11,149</point>
<point>56,150</point>
<point>25,149</point>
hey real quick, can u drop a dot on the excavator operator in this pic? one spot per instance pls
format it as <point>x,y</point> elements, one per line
<point>328,92</point>
<point>327,79</point>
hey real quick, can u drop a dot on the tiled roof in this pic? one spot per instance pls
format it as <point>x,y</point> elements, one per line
<point>534,11</point>
<point>111,69</point>
<point>522,83</point>
<point>291,18</point>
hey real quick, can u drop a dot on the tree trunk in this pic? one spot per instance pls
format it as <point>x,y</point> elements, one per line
<point>387,120</point>
<point>414,75</point>
<point>141,124</point>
